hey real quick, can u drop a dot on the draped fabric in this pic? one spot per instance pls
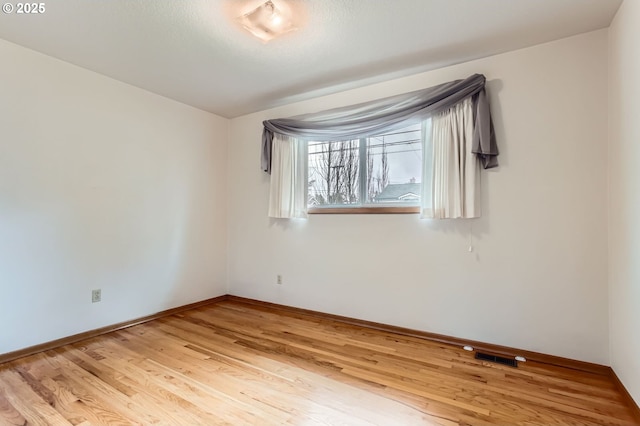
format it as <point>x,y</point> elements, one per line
<point>484,139</point>
<point>389,114</point>
<point>288,192</point>
<point>451,171</point>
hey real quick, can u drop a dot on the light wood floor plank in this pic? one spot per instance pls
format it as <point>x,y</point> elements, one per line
<point>234,363</point>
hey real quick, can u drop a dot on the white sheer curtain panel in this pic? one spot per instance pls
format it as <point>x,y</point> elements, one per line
<point>451,172</point>
<point>288,192</point>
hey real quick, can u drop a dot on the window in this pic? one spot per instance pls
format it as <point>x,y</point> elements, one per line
<point>382,171</point>
<point>376,172</point>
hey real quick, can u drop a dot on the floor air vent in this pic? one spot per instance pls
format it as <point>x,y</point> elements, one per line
<point>498,359</point>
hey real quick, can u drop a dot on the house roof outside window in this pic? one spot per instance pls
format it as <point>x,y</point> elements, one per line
<point>395,192</point>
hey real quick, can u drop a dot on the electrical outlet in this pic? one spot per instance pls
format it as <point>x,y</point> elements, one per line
<point>279,279</point>
<point>96,295</point>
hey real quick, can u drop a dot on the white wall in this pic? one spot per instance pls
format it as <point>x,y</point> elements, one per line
<point>624,193</point>
<point>102,185</point>
<point>537,278</point>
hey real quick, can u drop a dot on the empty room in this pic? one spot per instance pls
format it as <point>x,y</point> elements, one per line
<point>332,212</point>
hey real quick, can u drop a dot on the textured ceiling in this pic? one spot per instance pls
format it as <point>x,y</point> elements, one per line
<point>194,52</point>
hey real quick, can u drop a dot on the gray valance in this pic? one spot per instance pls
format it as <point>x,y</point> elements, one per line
<point>388,114</point>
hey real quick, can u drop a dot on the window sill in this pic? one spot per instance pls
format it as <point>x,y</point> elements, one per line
<point>365,210</point>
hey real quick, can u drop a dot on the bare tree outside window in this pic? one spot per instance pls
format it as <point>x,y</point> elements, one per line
<point>380,169</point>
<point>334,169</point>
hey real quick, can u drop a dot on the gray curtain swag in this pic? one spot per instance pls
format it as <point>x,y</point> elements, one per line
<point>388,114</point>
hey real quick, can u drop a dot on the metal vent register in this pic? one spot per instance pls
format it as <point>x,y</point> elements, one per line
<point>497,359</point>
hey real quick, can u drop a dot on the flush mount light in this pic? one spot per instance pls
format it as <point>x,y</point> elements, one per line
<point>266,22</point>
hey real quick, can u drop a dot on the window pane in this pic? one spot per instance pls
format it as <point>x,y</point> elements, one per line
<point>394,167</point>
<point>334,169</point>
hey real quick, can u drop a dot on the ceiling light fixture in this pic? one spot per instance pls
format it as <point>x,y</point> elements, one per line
<point>266,22</point>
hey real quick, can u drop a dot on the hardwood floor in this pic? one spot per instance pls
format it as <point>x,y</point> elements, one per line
<point>235,363</point>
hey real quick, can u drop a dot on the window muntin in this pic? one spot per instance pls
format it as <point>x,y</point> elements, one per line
<point>380,171</point>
